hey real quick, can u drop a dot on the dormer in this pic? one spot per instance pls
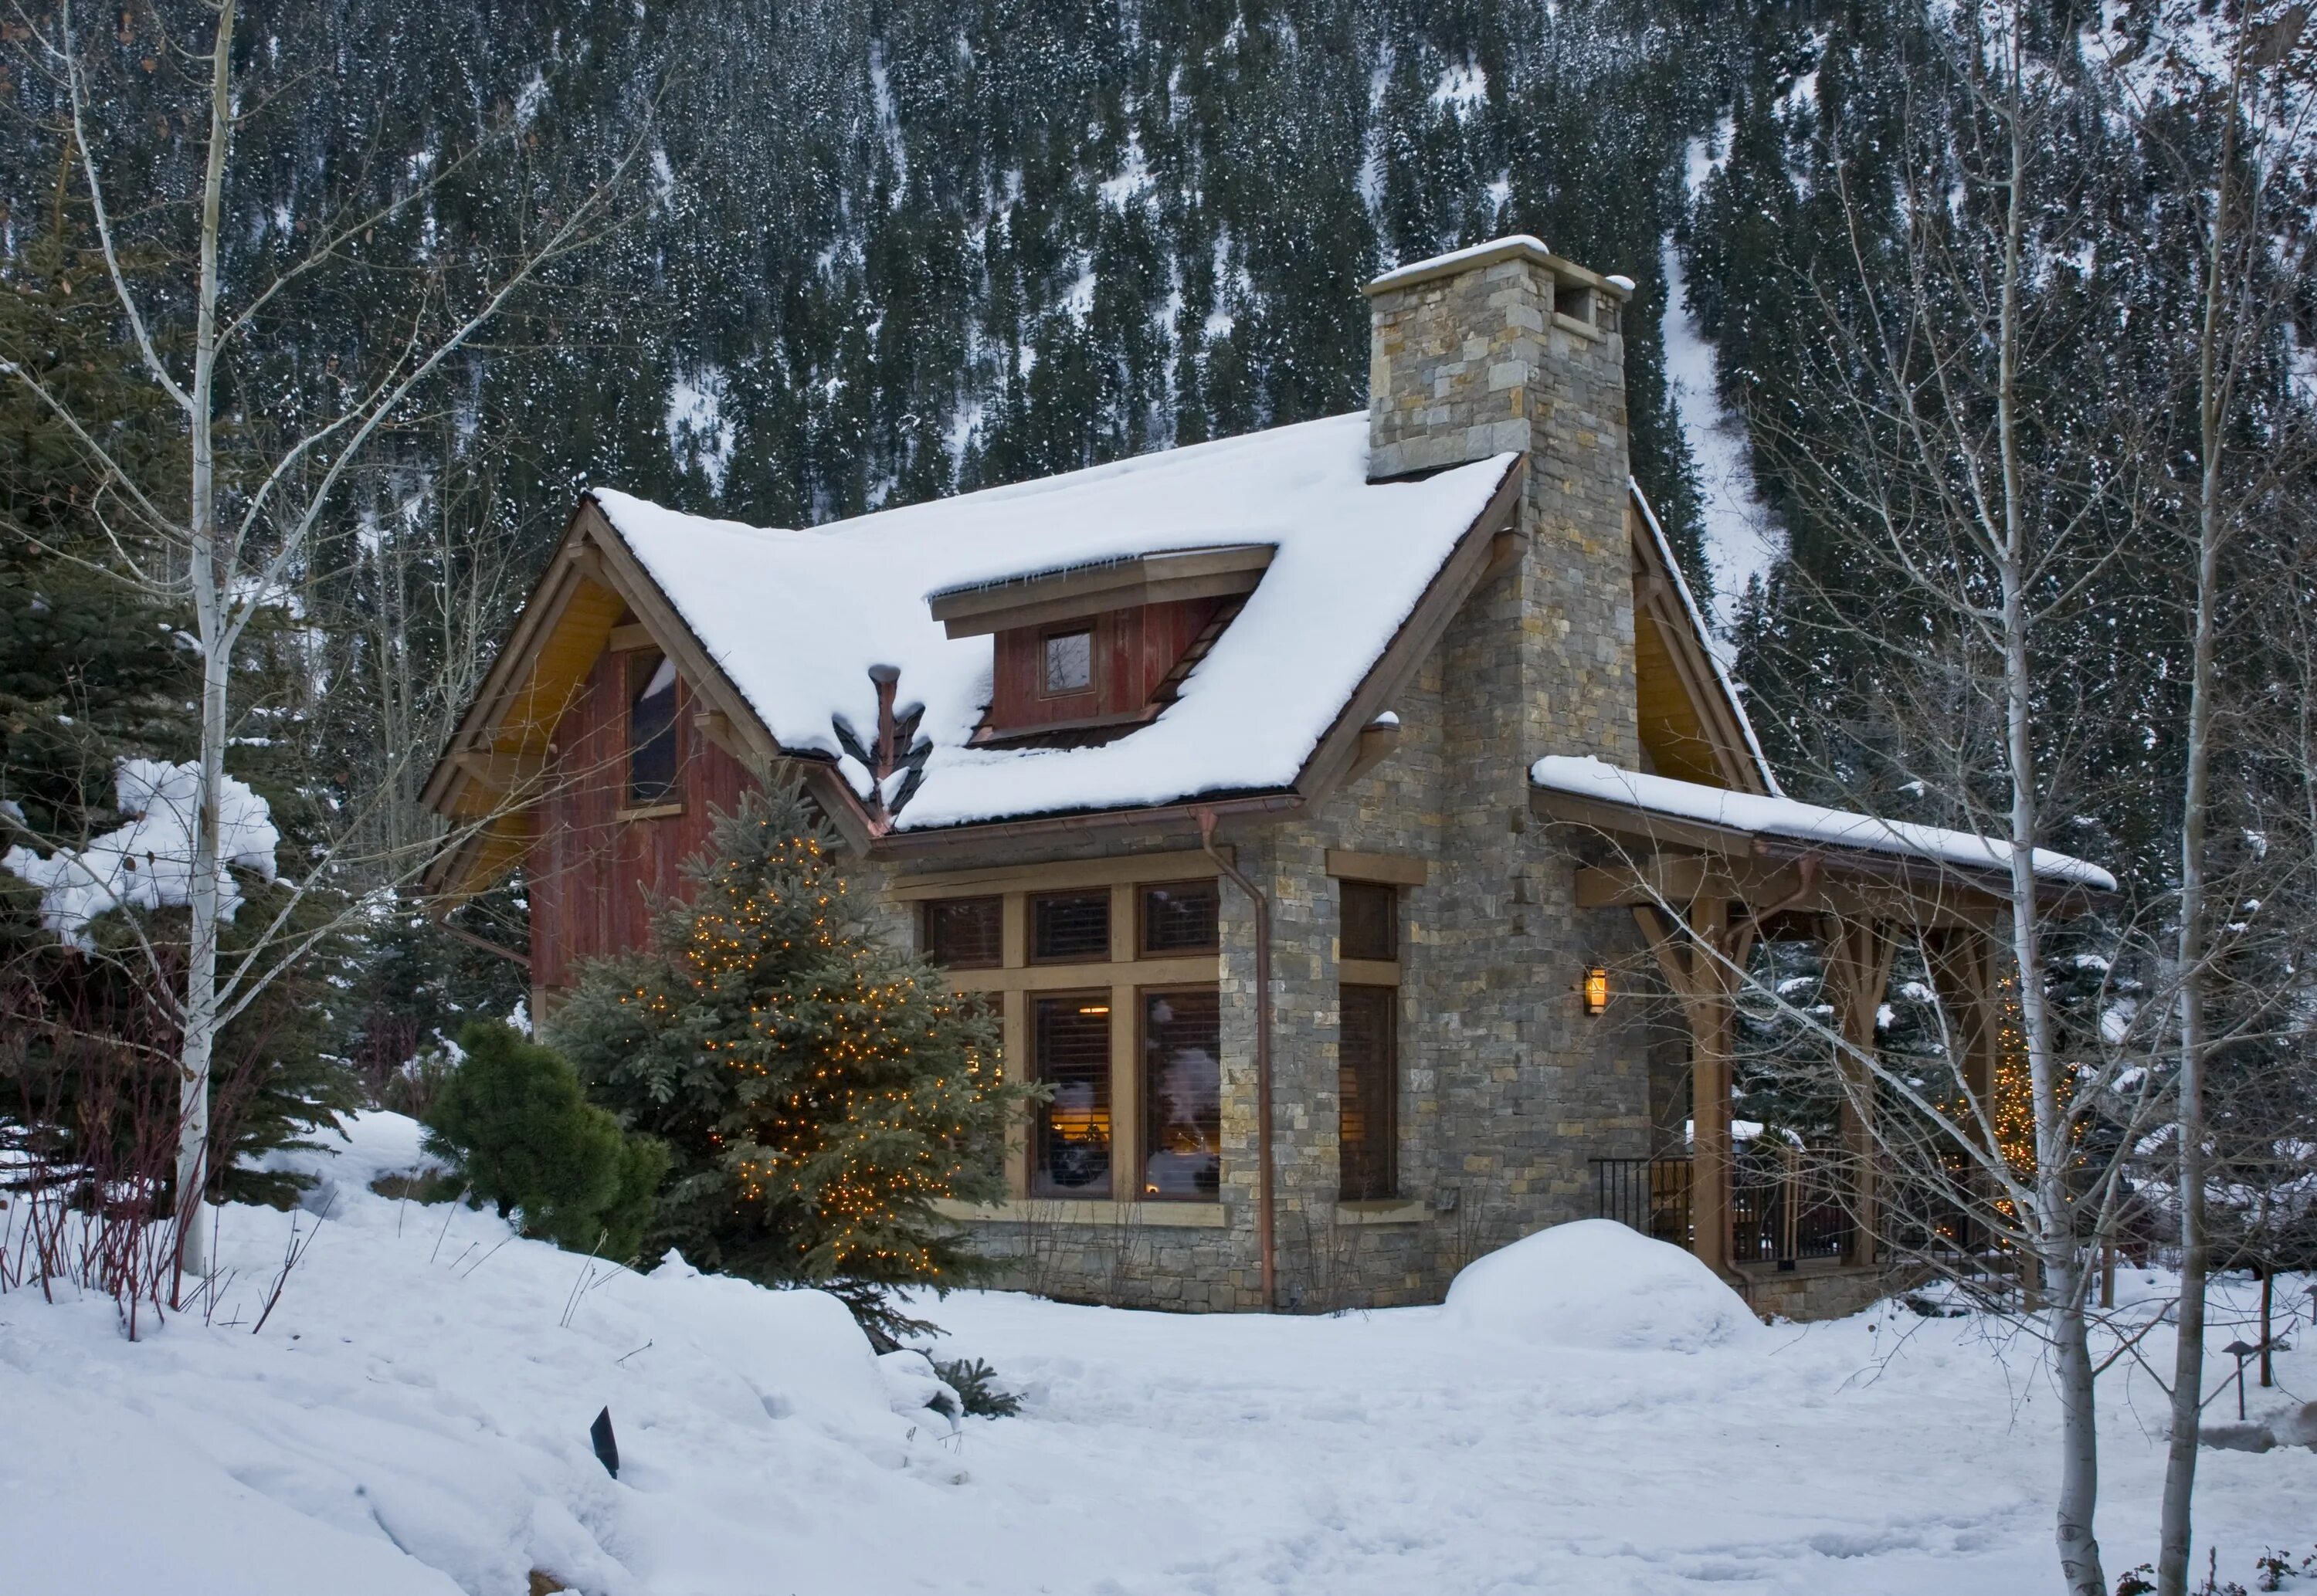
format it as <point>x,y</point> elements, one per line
<point>1089,652</point>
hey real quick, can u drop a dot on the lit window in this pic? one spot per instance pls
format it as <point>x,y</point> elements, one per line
<point>651,729</point>
<point>1070,1045</point>
<point>1069,662</point>
<point>1182,1094</point>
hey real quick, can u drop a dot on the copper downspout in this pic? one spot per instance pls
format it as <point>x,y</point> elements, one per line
<point>1265,1230</point>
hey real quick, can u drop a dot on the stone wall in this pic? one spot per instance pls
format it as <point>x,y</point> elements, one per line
<point>1509,1089</point>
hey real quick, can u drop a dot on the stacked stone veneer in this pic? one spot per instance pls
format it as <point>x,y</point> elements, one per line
<point>1509,1089</point>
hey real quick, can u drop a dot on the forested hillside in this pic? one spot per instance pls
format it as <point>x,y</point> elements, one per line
<point>841,256</point>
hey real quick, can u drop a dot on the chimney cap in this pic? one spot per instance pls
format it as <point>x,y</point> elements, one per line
<point>1524,246</point>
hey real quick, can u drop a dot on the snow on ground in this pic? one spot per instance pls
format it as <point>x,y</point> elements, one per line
<point>414,1418</point>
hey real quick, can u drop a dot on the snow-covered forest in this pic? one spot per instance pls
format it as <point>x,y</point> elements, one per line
<point>1972,373</point>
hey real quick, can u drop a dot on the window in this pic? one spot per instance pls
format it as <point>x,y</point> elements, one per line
<point>1370,916</point>
<point>1179,918</point>
<point>1367,1083</point>
<point>651,729</point>
<point>1070,928</point>
<point>1071,1052</point>
<point>1182,1094</point>
<point>1069,663</point>
<point>966,933</point>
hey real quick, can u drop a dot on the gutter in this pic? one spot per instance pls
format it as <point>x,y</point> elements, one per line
<point>1265,1230</point>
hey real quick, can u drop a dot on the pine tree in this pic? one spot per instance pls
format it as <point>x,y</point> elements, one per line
<point>821,1090</point>
<point>514,1119</point>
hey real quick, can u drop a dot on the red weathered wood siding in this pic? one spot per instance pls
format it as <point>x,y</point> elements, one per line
<point>1133,650</point>
<point>591,874</point>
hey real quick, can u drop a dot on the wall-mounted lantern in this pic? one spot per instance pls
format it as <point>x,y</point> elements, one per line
<point>1596,990</point>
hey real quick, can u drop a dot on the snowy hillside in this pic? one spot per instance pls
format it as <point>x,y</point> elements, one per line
<point>414,1418</point>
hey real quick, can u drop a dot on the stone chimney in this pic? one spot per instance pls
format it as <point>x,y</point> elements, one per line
<point>1506,346</point>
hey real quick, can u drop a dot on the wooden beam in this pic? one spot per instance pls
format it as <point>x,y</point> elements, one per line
<point>503,772</point>
<point>1696,953</point>
<point>1188,864</point>
<point>1859,954</point>
<point>1654,878</point>
<point>1399,869</point>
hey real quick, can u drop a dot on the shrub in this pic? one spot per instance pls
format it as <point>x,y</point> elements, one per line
<point>976,1385</point>
<point>512,1118</point>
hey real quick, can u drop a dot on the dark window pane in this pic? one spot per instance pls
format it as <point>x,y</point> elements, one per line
<point>1070,928</point>
<point>651,729</point>
<point>1370,921</point>
<point>966,933</point>
<point>1367,1080</point>
<point>1070,1042</point>
<point>1069,662</point>
<point>1182,1094</point>
<point>1179,917</point>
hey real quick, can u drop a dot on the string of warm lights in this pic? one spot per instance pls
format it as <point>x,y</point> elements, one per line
<point>835,1117</point>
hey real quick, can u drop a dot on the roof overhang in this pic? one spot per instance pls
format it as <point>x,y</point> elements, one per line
<point>1667,853</point>
<point>1039,597</point>
<point>497,764</point>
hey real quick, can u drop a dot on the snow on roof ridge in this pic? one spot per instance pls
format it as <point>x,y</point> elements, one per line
<point>1706,637</point>
<point>1584,776</point>
<point>1210,451</point>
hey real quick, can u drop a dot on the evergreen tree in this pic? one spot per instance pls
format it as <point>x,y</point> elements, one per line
<point>523,1135</point>
<point>820,1089</point>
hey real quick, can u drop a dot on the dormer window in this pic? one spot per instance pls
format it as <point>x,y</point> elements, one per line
<point>1089,652</point>
<point>1069,663</point>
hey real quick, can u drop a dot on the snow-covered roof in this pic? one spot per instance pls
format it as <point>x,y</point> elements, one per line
<point>797,619</point>
<point>1589,778</point>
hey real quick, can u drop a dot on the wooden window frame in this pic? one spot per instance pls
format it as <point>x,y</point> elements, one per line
<point>1141,1083</point>
<point>1030,902</point>
<point>1092,626</point>
<point>1142,891</point>
<point>927,908</point>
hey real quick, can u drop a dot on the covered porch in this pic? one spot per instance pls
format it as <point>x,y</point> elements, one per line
<point>1706,874</point>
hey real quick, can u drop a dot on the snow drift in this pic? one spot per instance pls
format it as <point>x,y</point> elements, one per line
<point>1598,1284</point>
<point>413,1417</point>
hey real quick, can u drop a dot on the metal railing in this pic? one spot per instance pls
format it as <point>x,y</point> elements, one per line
<point>1650,1194</point>
<point>1783,1209</point>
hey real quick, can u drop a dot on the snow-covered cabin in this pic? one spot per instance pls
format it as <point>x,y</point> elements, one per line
<point>1418,694</point>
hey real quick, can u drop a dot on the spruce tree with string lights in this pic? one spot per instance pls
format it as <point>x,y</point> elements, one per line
<point>820,1088</point>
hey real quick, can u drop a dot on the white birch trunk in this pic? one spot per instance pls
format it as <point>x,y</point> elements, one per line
<point>210,572</point>
<point>2174,1527</point>
<point>2056,1244</point>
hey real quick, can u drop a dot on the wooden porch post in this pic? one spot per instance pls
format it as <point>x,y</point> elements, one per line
<point>1858,958</point>
<point>1962,967</point>
<point>1705,987</point>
